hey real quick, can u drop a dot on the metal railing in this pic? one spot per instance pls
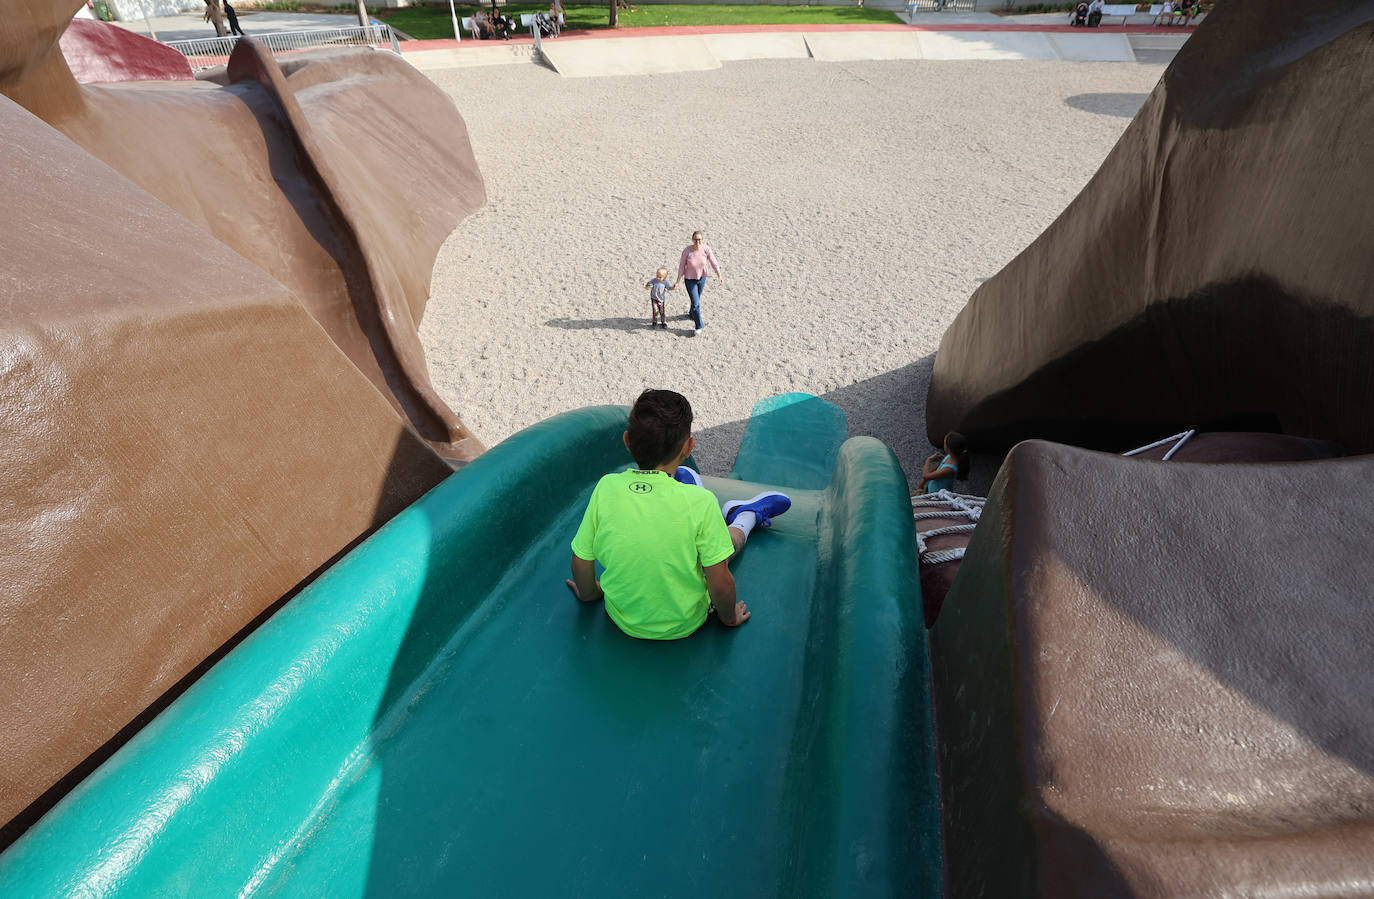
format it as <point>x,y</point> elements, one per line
<point>214,51</point>
<point>934,5</point>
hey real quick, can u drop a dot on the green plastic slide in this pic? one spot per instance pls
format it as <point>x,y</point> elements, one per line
<point>438,716</point>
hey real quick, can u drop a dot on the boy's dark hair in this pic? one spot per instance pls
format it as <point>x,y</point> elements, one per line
<point>660,422</point>
<point>958,448</point>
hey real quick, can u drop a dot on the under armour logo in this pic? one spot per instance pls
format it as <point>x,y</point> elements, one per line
<point>640,487</point>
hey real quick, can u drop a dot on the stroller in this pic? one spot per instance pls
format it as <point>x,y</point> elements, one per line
<point>547,25</point>
<point>1080,15</point>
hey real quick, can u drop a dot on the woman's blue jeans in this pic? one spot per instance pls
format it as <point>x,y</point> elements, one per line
<point>694,286</point>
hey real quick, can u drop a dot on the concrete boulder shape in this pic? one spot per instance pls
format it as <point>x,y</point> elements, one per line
<point>213,382</point>
<point>1150,680</point>
<point>1149,677</point>
<point>1215,269</point>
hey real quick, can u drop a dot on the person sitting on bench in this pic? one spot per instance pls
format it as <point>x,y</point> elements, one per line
<point>503,26</point>
<point>481,25</point>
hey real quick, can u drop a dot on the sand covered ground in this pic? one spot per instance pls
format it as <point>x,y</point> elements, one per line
<point>854,208</point>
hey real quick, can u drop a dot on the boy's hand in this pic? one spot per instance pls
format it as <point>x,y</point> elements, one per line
<point>720,584</point>
<point>584,584</point>
<point>742,614</point>
<point>572,585</point>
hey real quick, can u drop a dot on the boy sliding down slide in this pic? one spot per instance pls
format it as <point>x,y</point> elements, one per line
<point>656,530</point>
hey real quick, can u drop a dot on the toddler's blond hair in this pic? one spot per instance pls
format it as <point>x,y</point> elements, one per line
<point>661,274</point>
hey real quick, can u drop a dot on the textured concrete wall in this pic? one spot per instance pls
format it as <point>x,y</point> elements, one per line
<point>200,417</point>
<point>1214,270</point>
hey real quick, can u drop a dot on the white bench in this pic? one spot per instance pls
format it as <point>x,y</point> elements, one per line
<point>1124,10</point>
<point>467,22</point>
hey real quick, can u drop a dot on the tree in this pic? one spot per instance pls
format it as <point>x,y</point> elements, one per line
<point>362,14</point>
<point>617,5</point>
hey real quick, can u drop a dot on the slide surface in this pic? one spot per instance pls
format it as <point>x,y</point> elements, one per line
<point>437,715</point>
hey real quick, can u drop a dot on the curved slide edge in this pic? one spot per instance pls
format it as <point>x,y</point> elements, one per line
<point>227,785</point>
<point>876,735</point>
<point>253,746</point>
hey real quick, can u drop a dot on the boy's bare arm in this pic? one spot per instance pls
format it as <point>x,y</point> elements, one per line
<point>720,584</point>
<point>584,584</point>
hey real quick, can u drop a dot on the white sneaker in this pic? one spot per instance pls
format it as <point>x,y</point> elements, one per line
<point>696,333</point>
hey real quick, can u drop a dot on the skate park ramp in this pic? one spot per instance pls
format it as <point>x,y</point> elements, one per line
<point>632,56</point>
<point>438,715</point>
<point>583,57</point>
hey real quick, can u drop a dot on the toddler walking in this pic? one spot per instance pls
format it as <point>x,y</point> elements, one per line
<point>658,288</point>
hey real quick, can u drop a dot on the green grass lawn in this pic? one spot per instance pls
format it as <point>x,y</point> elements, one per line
<point>427,22</point>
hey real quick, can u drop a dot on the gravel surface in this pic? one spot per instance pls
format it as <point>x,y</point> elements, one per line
<point>854,208</point>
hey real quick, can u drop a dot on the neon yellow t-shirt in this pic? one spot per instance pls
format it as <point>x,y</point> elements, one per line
<point>653,535</point>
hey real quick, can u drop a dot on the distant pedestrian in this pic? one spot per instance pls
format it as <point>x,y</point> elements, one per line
<point>691,268</point>
<point>233,19</point>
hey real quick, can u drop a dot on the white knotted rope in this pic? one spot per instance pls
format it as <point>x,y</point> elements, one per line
<point>937,556</point>
<point>945,504</point>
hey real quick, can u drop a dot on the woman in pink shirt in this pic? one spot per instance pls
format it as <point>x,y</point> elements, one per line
<point>692,269</point>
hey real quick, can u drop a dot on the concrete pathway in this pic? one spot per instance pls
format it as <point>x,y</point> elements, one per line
<point>190,25</point>
<point>647,51</point>
<point>638,51</point>
<point>941,19</point>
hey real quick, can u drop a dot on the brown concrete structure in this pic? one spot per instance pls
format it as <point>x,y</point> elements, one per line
<point>1236,446</point>
<point>213,383</point>
<point>1216,268</point>
<point>1151,680</point>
